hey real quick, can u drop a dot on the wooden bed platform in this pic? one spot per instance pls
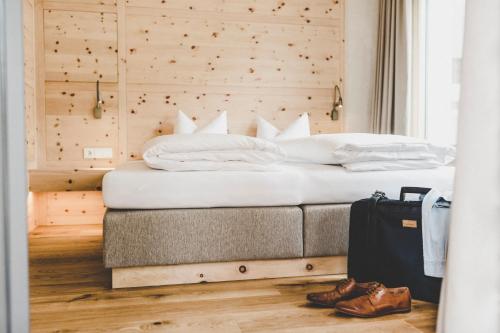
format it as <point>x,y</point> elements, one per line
<point>227,271</point>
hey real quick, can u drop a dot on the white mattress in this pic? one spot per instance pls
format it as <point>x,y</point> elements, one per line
<point>136,186</point>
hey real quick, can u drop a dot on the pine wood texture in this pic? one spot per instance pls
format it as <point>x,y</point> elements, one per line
<point>70,291</point>
<point>79,207</point>
<point>276,59</point>
<point>29,81</point>
<point>226,271</point>
<point>31,211</point>
<point>37,209</point>
<point>66,180</point>
<point>80,46</point>
<point>278,105</point>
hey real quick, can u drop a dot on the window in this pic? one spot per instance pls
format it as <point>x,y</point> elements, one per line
<point>443,35</point>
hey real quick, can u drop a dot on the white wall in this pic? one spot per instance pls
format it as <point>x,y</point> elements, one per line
<point>361,51</point>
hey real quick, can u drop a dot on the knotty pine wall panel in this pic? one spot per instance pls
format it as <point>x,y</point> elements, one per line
<point>78,98</point>
<point>215,52</point>
<point>29,81</point>
<point>297,10</point>
<point>63,208</point>
<point>71,126</point>
<point>93,5</point>
<point>75,208</point>
<point>68,135</point>
<point>30,124</point>
<point>151,111</point>
<point>276,59</point>
<point>80,46</point>
<point>66,180</point>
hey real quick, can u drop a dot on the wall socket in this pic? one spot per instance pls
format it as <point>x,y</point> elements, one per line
<point>97,153</point>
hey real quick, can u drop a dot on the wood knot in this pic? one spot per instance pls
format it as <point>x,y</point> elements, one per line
<point>242,269</point>
<point>309,267</point>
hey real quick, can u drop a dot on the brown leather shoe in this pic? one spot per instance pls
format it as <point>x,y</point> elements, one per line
<point>378,301</point>
<point>345,289</point>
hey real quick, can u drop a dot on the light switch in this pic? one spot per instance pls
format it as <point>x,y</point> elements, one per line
<point>96,153</point>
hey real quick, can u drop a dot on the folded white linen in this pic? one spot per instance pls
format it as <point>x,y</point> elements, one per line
<point>192,152</point>
<point>345,148</point>
<point>376,142</point>
<point>171,165</point>
<point>391,165</point>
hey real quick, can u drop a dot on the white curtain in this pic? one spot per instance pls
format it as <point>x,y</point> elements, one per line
<point>471,290</point>
<point>390,110</point>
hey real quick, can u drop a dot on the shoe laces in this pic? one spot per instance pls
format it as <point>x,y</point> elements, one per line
<point>374,289</point>
<point>342,284</point>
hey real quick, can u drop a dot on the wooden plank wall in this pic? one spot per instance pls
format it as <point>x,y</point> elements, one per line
<point>29,81</point>
<point>65,208</point>
<point>154,57</point>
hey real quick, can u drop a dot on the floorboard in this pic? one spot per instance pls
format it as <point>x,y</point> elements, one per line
<point>70,292</point>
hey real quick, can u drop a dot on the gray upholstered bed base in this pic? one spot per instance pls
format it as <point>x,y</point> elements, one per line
<point>186,236</point>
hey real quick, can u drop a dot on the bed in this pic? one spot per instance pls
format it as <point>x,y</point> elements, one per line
<point>136,186</point>
<point>200,226</point>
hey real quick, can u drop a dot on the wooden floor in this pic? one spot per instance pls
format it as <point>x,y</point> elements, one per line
<point>70,292</point>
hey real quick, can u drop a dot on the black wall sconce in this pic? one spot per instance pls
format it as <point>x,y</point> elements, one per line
<point>338,105</point>
<point>98,107</point>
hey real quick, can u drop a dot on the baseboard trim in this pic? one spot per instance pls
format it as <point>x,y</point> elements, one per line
<point>144,276</point>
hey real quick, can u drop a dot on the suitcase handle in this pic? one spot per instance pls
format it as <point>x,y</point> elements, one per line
<point>417,190</point>
<point>371,231</point>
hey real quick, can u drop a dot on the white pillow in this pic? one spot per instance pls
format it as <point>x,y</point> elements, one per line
<point>184,125</point>
<point>216,126</point>
<point>265,130</point>
<point>298,129</point>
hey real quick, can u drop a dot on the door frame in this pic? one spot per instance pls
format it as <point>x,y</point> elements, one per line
<point>14,292</point>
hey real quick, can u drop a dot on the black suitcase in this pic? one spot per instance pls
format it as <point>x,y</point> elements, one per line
<point>385,244</point>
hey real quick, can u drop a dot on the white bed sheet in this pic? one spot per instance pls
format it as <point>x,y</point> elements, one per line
<point>136,186</point>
